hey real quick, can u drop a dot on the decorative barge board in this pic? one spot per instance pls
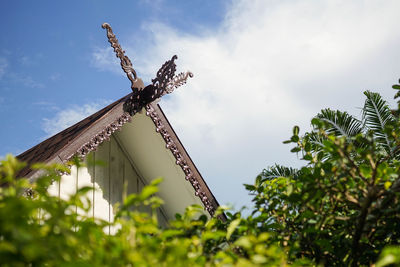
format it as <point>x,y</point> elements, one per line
<point>137,143</point>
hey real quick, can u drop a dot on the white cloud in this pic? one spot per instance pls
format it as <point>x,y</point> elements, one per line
<point>45,105</point>
<point>104,59</point>
<point>156,5</point>
<point>3,66</point>
<point>25,80</point>
<point>28,81</point>
<point>269,66</point>
<point>68,117</point>
<point>55,76</point>
<point>26,61</point>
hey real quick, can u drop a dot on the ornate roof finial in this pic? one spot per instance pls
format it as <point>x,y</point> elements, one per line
<point>166,80</point>
<point>126,64</point>
<point>164,83</point>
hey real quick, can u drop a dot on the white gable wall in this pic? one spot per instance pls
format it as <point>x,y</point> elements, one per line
<point>133,156</point>
<point>107,179</point>
<point>146,149</point>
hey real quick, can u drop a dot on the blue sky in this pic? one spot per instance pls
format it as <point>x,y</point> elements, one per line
<point>260,67</point>
<point>46,56</point>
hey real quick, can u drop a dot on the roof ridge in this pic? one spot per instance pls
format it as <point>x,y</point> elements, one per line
<point>45,150</point>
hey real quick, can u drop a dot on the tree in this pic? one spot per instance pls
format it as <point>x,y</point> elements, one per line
<point>38,229</point>
<point>343,206</point>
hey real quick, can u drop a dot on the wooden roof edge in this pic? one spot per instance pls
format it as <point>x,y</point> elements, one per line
<point>86,135</point>
<point>77,135</point>
<point>94,136</point>
<point>183,159</point>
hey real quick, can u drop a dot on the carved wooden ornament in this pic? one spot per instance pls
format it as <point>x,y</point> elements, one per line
<point>165,82</point>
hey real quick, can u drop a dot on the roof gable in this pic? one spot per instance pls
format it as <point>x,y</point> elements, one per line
<point>61,144</point>
<point>86,135</point>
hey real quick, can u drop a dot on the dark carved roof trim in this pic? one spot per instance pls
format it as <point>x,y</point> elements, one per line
<point>182,157</point>
<point>86,135</point>
<point>104,135</point>
<point>62,145</point>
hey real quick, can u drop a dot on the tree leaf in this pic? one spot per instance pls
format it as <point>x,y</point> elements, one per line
<point>231,228</point>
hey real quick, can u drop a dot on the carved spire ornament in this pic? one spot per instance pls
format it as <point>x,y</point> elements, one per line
<point>165,82</point>
<point>126,64</point>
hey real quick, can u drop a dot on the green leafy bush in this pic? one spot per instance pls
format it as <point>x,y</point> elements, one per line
<point>343,207</point>
<point>38,229</point>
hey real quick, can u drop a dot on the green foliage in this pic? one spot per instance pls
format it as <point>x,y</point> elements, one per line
<point>377,116</point>
<point>38,229</point>
<point>390,256</point>
<point>340,123</point>
<point>343,207</point>
<point>397,87</point>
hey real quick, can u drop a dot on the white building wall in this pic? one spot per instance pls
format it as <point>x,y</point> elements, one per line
<point>107,173</point>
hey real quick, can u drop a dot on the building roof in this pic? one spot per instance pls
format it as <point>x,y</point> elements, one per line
<point>56,146</point>
<point>86,135</point>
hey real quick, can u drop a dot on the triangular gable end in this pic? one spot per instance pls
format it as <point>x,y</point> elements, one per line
<point>127,140</point>
<point>149,153</point>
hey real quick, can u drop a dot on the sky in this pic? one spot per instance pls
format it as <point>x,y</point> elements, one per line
<point>260,67</point>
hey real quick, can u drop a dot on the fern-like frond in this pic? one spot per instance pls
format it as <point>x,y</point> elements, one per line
<point>340,123</point>
<point>377,114</point>
<point>316,140</point>
<point>279,171</point>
